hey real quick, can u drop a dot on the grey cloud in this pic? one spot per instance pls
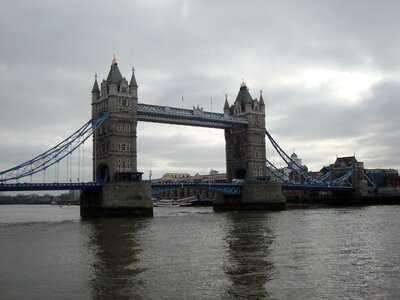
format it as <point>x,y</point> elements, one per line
<point>51,50</point>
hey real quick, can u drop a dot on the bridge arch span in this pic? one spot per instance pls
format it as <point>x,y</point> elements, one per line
<point>223,188</point>
<point>241,174</point>
<point>102,173</point>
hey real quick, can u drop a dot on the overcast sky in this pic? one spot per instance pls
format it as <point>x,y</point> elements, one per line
<point>329,71</point>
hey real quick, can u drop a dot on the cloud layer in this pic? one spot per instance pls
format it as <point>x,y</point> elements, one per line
<point>329,71</point>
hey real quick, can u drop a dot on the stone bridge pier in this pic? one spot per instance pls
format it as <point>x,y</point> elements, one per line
<point>255,196</point>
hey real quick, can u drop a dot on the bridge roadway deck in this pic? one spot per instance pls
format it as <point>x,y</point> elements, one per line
<point>190,117</point>
<point>55,186</point>
<point>227,188</point>
<point>315,187</point>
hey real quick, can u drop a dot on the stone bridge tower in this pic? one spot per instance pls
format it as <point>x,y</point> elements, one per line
<point>114,145</point>
<point>122,192</point>
<point>245,145</point>
<point>245,158</point>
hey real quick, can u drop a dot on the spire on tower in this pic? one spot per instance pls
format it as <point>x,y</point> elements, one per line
<point>95,85</point>
<point>226,106</point>
<point>261,99</point>
<point>114,76</point>
<point>243,84</point>
<point>133,82</point>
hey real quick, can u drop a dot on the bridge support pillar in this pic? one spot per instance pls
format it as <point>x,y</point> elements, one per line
<point>118,199</point>
<point>362,189</point>
<point>255,196</point>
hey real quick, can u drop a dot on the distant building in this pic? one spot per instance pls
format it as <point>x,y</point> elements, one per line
<point>73,196</point>
<point>344,165</point>
<point>176,177</point>
<point>383,177</point>
<point>392,181</point>
<point>324,170</point>
<point>213,177</point>
<point>288,173</point>
<point>296,166</point>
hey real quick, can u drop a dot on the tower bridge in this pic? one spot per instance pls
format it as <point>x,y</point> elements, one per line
<point>117,188</point>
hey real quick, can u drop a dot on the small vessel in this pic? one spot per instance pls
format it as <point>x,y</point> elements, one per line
<point>155,202</point>
<point>167,203</point>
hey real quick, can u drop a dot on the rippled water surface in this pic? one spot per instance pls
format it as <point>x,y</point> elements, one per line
<point>48,252</point>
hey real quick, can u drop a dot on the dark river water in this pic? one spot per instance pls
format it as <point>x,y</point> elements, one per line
<point>47,252</point>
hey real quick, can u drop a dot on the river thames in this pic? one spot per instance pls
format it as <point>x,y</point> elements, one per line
<point>48,252</point>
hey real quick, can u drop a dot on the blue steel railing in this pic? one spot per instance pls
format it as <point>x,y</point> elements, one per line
<point>226,188</point>
<point>316,187</point>
<point>56,186</point>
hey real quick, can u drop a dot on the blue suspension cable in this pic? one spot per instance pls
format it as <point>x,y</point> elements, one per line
<point>55,154</point>
<point>291,163</point>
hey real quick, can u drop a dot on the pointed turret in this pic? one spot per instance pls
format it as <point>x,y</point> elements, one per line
<point>114,76</point>
<point>95,85</point>
<point>133,87</point>
<point>133,82</point>
<point>226,106</point>
<point>261,99</point>
<point>95,90</point>
<point>244,98</point>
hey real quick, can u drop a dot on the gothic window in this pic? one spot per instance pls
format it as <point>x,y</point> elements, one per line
<point>258,171</point>
<point>124,105</point>
<point>124,147</point>
<point>124,89</point>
